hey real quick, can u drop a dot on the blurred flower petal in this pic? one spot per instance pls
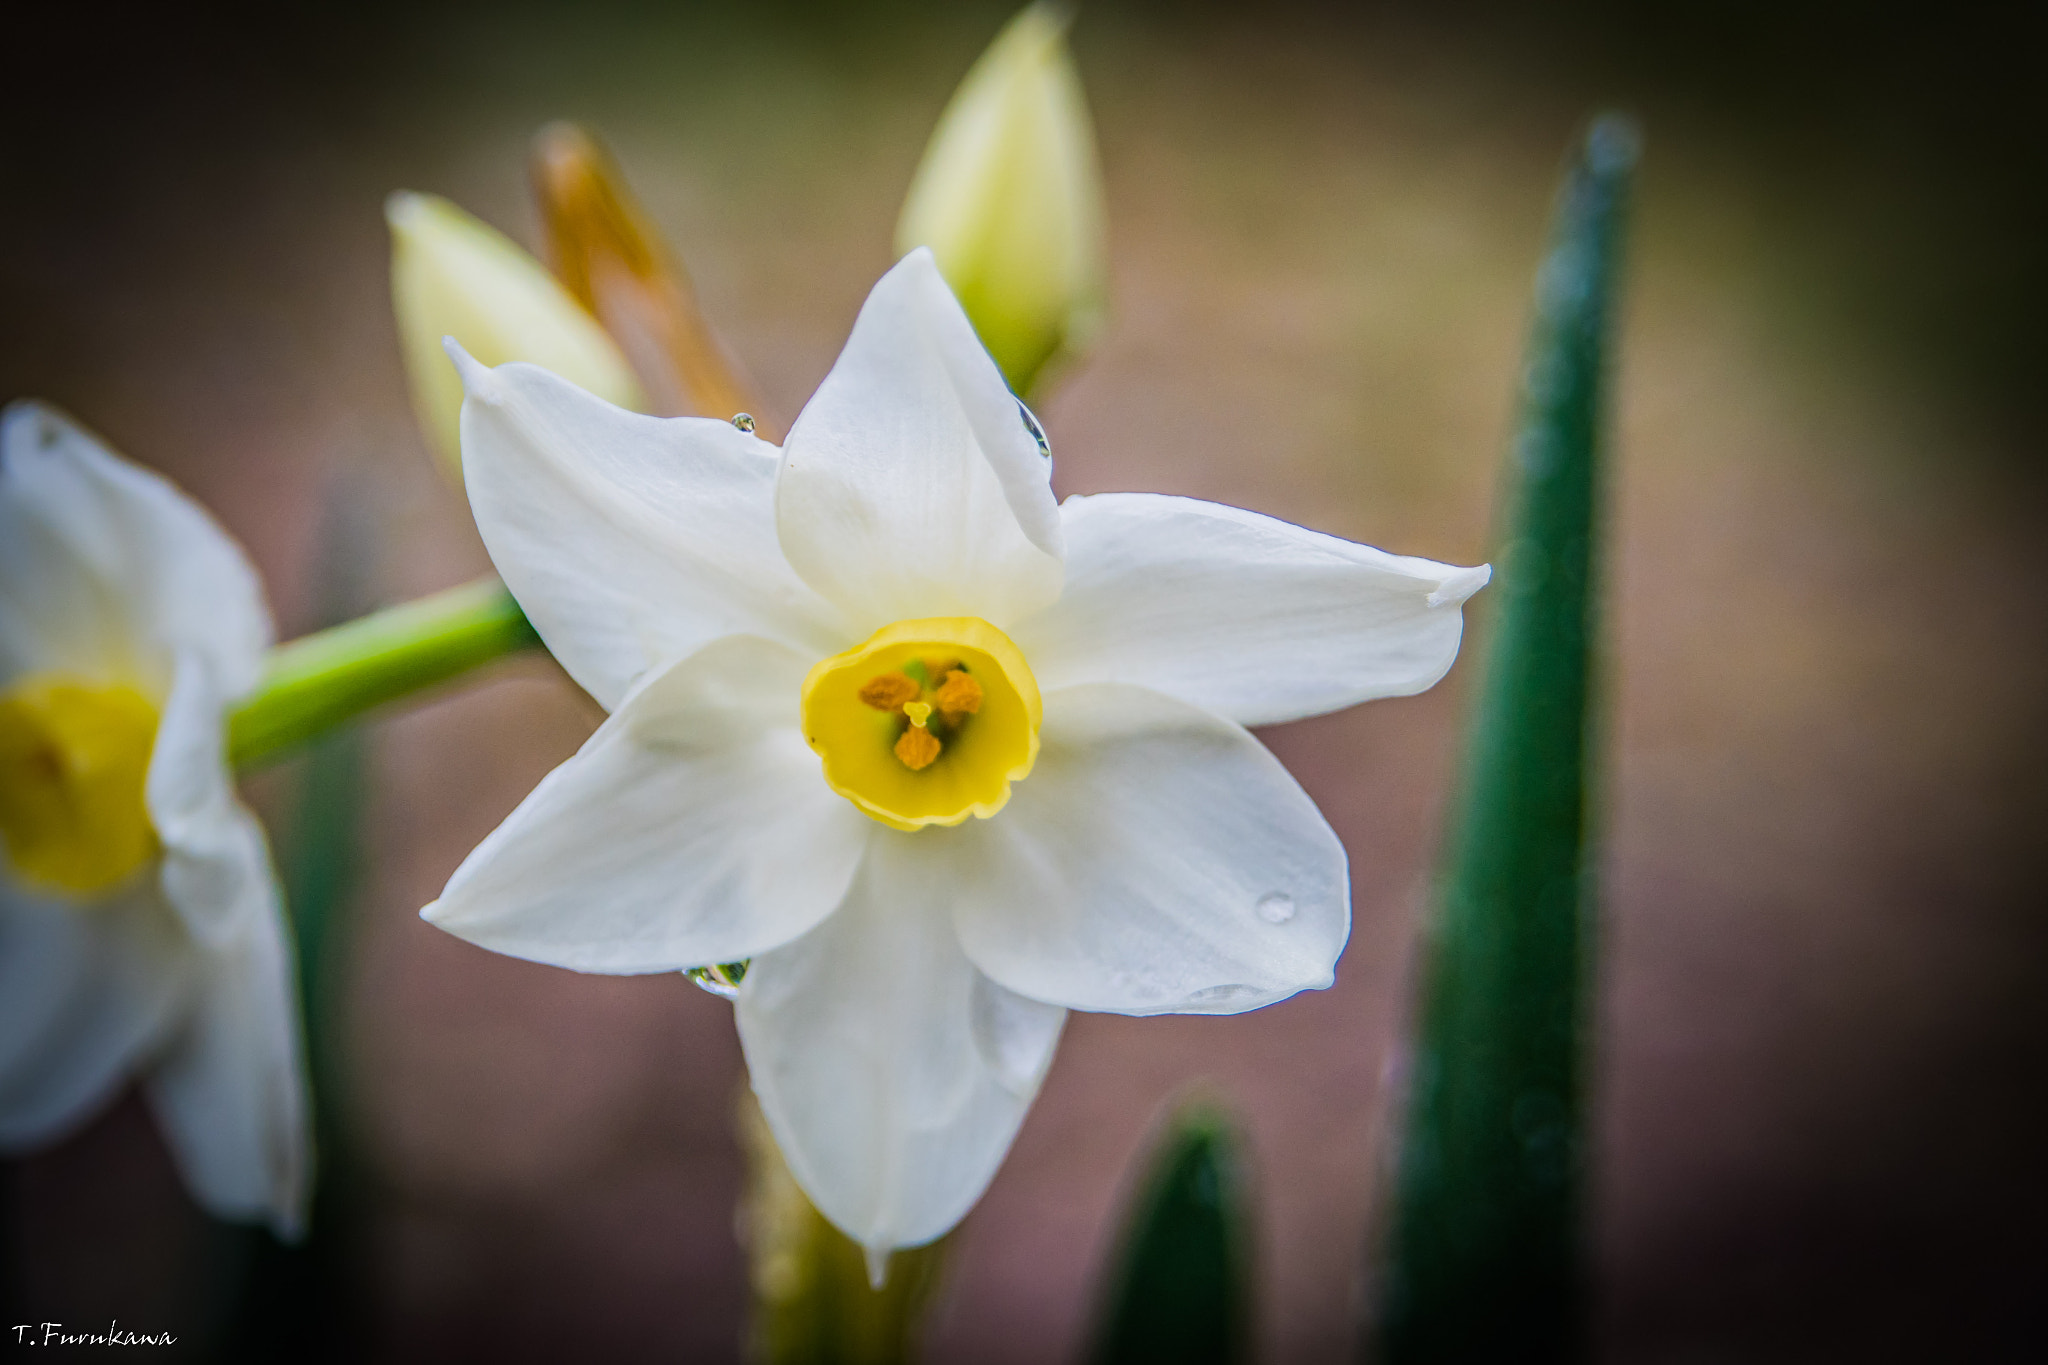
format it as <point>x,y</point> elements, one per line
<point>106,569</point>
<point>228,1088</point>
<point>216,866</point>
<point>82,997</point>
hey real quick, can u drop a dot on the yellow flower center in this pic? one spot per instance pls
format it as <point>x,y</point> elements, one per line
<point>926,723</point>
<point>73,760</point>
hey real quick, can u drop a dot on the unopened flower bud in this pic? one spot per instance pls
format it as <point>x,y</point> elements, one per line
<point>1009,199</point>
<point>452,275</point>
<point>606,250</point>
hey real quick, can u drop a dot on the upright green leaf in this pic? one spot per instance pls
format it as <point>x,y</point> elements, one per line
<point>304,1301</point>
<point>1180,1294</point>
<point>1486,1253</point>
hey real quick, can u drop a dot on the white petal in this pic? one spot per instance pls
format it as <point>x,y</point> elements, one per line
<point>106,569</point>
<point>1157,860</point>
<point>86,994</point>
<point>216,870</point>
<point>910,486</point>
<point>693,828</point>
<point>230,1092</point>
<point>1243,615</point>
<point>893,1074</point>
<point>630,541</point>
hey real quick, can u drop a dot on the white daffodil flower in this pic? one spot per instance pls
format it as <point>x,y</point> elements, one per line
<point>140,924</point>
<point>938,758</point>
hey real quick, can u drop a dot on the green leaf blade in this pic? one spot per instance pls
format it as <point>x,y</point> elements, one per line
<point>1485,1255</point>
<point>1181,1293</point>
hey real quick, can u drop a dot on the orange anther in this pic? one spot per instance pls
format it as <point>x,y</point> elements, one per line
<point>959,695</point>
<point>887,691</point>
<point>918,748</point>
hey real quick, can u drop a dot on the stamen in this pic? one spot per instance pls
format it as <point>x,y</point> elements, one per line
<point>918,748</point>
<point>959,695</point>
<point>887,691</point>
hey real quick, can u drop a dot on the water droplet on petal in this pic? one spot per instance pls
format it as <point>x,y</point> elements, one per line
<point>743,420</point>
<point>1275,907</point>
<point>1037,431</point>
<point>722,979</point>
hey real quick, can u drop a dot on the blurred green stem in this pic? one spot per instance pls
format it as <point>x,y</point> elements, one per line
<point>1486,1253</point>
<point>328,678</point>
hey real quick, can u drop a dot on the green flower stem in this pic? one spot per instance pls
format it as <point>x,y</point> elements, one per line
<point>1486,1256</point>
<point>329,678</point>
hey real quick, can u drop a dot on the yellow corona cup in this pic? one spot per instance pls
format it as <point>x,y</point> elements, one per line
<point>926,723</point>
<point>73,760</point>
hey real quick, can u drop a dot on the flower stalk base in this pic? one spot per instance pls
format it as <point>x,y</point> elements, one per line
<point>814,1297</point>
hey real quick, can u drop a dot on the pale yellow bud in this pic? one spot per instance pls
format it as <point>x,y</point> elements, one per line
<point>1009,199</point>
<point>452,275</point>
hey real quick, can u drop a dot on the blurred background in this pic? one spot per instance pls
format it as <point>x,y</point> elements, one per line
<point>1821,1035</point>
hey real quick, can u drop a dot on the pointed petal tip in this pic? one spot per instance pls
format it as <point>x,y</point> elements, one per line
<point>918,269</point>
<point>14,418</point>
<point>478,379</point>
<point>402,208</point>
<point>878,1265</point>
<point>34,422</point>
<point>20,409</point>
<point>1459,585</point>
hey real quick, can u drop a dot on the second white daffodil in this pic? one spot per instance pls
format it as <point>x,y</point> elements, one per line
<point>940,758</point>
<point>141,930</point>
